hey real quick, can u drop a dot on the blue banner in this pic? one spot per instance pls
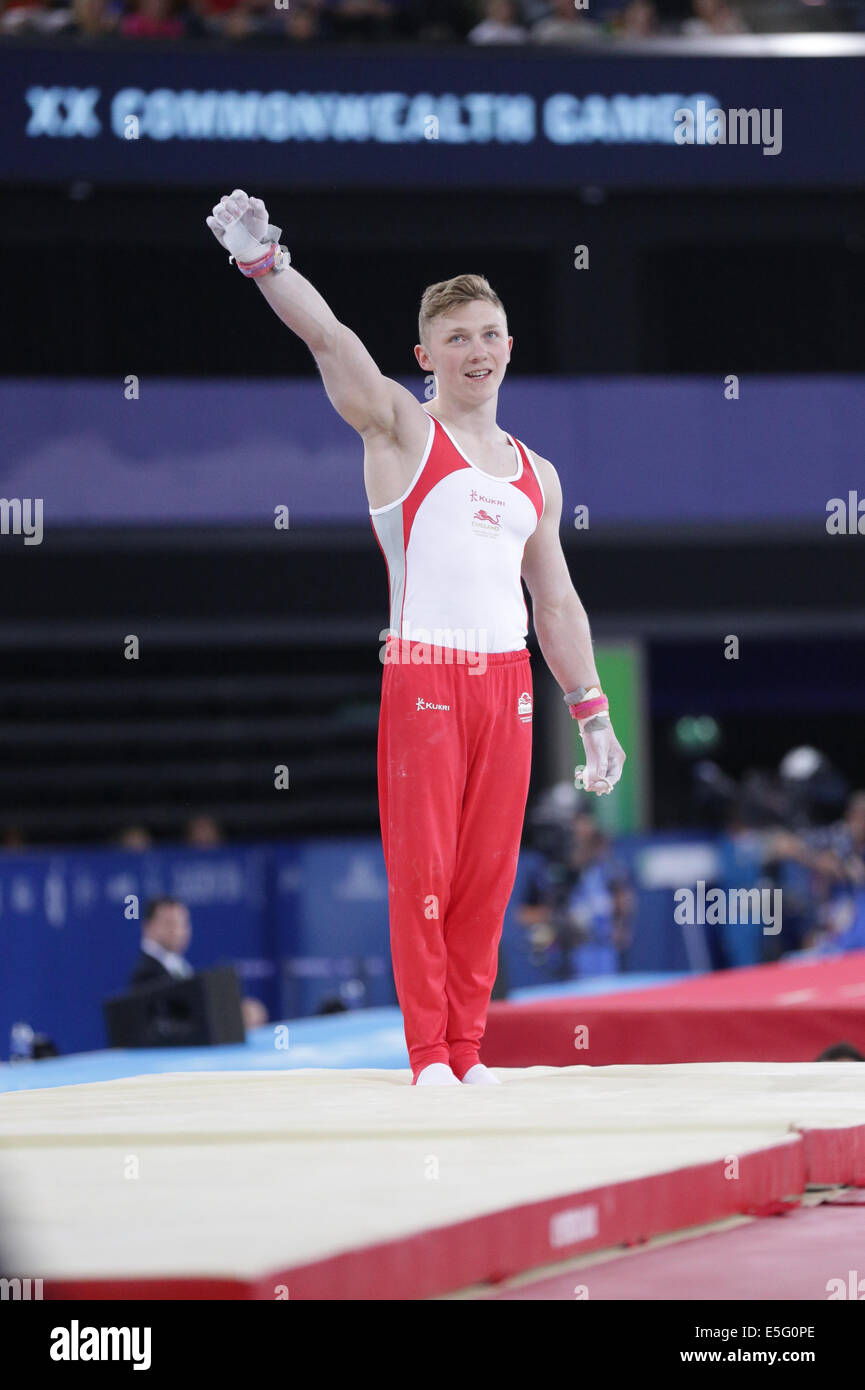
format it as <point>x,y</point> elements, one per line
<point>428,119</point>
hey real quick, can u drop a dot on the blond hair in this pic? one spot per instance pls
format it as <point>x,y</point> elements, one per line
<point>447,294</point>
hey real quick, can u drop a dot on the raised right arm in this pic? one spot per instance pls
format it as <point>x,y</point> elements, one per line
<point>368,401</point>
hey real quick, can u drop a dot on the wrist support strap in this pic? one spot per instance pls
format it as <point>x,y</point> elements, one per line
<point>253,269</point>
<point>585,704</point>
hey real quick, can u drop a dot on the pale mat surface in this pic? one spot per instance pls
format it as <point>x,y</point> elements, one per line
<point>239,1174</point>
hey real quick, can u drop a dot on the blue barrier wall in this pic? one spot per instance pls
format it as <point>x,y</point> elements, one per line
<point>303,923</point>
<point>68,940</point>
<point>331,926</point>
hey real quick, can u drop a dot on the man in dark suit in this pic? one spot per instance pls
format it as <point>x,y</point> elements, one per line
<point>165,935</point>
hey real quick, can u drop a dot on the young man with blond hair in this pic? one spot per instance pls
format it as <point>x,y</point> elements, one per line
<point>463,512</point>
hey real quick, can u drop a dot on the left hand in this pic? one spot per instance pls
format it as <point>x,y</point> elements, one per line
<point>605,757</point>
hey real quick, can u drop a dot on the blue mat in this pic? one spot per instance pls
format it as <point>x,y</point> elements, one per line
<point>361,1038</point>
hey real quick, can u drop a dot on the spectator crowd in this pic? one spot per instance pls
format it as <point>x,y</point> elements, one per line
<point>479,22</point>
<point>580,908</point>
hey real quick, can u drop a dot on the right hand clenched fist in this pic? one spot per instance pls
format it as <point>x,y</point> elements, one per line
<point>240,224</point>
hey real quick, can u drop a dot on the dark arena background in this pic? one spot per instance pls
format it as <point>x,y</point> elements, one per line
<point>669,198</point>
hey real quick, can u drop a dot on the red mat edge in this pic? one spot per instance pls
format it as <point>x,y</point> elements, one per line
<point>651,1036</point>
<point>835,1156</point>
<point>171,1287</point>
<point>501,1244</point>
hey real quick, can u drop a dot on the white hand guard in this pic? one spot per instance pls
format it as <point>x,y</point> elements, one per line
<point>605,756</point>
<point>240,224</point>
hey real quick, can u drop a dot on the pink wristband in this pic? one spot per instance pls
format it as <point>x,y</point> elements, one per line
<point>253,269</point>
<point>586,709</point>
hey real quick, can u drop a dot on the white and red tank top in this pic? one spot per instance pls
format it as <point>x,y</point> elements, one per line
<point>453,545</point>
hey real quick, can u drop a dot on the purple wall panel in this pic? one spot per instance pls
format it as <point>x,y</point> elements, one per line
<point>635,450</point>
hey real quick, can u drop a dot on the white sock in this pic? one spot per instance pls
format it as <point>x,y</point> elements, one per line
<point>437,1074</point>
<point>479,1075</point>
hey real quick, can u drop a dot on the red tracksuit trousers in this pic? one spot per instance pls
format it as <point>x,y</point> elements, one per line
<point>453,784</point>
